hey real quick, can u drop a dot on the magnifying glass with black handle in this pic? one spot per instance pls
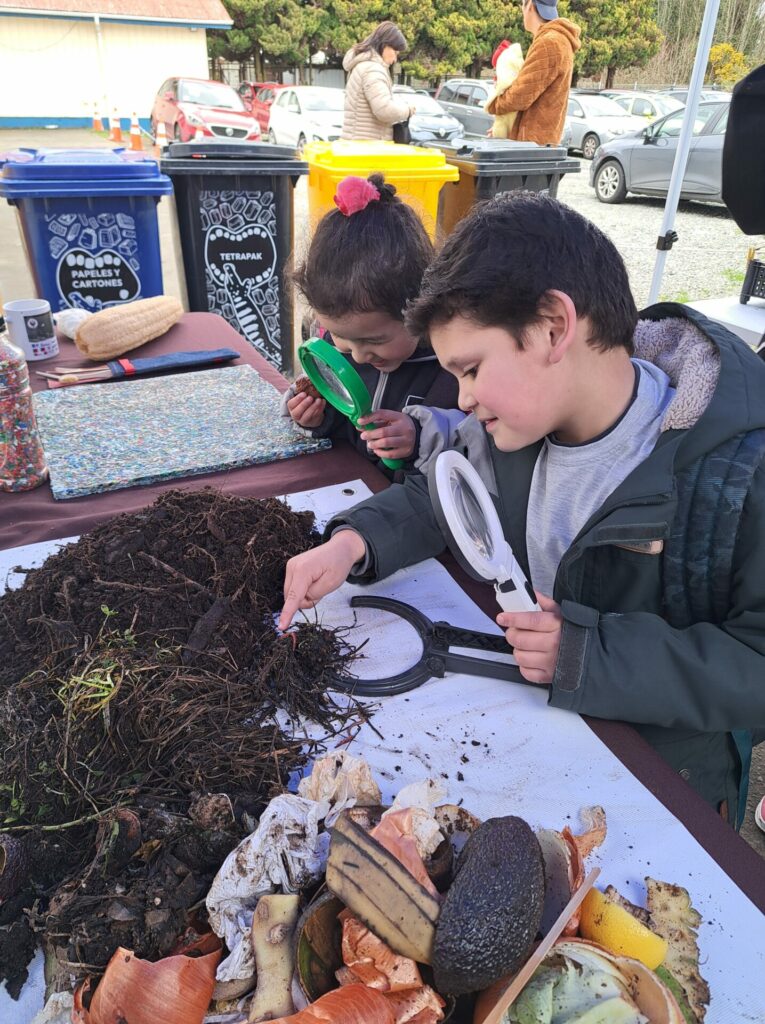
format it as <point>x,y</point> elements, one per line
<point>339,384</point>
<point>469,521</point>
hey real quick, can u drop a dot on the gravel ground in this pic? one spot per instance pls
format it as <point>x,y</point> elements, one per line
<point>707,261</point>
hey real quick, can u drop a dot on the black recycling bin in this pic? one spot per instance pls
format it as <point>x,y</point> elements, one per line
<point>234,203</point>
<point>490,166</point>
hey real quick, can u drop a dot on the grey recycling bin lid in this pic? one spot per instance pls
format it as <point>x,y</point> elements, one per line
<point>229,151</point>
<point>504,156</point>
<point>231,157</point>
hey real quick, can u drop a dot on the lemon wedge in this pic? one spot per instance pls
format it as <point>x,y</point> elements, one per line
<point>605,922</point>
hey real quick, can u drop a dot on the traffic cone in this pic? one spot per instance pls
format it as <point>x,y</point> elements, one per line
<point>115,128</point>
<point>136,143</point>
<point>160,140</point>
<point>98,124</point>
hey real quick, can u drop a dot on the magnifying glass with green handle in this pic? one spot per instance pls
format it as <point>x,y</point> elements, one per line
<point>339,384</point>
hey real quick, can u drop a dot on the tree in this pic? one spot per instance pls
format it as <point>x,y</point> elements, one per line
<point>281,30</point>
<point>615,34</point>
<point>728,65</point>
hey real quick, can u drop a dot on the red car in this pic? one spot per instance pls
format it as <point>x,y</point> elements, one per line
<point>191,105</point>
<point>258,97</point>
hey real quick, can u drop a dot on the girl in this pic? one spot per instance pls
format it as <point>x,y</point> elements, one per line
<point>364,265</point>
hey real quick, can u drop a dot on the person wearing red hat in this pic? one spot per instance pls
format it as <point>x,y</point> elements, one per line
<point>539,95</point>
<point>507,61</point>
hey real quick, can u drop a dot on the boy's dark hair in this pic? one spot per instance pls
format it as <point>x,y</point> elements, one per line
<point>386,34</point>
<point>371,261</point>
<point>501,259</point>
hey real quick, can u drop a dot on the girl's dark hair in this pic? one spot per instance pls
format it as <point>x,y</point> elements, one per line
<point>497,265</point>
<point>370,262</point>
<point>386,34</point>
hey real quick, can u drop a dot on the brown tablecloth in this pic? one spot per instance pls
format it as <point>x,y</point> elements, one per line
<point>34,516</point>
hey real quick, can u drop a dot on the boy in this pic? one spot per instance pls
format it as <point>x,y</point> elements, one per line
<point>587,426</point>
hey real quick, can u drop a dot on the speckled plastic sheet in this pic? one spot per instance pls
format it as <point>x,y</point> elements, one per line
<point>103,437</point>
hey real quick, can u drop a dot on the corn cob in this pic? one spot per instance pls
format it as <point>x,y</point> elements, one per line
<point>119,329</point>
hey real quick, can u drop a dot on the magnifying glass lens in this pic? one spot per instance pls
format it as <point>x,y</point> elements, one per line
<point>468,509</point>
<point>332,382</point>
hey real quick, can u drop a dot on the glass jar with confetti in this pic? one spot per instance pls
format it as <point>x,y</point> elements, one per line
<point>22,461</point>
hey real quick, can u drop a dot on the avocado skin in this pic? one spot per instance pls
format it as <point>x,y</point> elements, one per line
<point>492,911</point>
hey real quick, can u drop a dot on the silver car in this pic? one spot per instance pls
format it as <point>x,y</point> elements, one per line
<point>648,105</point>
<point>642,162</point>
<point>596,119</point>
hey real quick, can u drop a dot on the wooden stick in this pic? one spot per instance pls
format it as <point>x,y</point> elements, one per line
<point>80,369</point>
<point>518,983</point>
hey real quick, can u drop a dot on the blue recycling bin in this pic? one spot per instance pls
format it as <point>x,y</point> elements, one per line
<point>89,222</point>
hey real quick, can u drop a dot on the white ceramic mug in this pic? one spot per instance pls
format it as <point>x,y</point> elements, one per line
<point>30,326</point>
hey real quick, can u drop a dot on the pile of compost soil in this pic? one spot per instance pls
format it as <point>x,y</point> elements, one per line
<point>142,670</point>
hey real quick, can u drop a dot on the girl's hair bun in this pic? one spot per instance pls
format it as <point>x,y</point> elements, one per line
<point>385,188</point>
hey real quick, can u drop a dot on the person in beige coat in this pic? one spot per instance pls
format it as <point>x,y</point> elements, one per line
<point>371,109</point>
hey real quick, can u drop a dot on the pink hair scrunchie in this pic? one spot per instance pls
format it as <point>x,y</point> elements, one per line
<point>355,194</point>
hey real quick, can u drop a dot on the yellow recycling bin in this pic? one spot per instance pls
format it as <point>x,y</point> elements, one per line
<point>417,173</point>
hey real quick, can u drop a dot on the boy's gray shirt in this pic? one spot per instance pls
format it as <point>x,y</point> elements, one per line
<point>571,482</point>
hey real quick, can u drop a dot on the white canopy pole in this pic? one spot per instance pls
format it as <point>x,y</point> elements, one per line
<point>667,236</point>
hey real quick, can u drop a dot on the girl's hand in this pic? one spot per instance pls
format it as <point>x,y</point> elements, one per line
<point>306,411</point>
<point>394,434</point>
<point>535,639</point>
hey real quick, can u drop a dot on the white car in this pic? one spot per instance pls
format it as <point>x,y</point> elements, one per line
<point>595,119</point>
<point>306,113</point>
<point>649,105</point>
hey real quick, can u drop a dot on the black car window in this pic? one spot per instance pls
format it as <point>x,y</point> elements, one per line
<point>446,93</point>
<point>463,94</point>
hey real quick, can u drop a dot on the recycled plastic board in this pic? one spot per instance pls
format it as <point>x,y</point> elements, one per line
<point>103,437</point>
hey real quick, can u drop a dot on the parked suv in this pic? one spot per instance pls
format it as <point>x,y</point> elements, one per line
<point>258,97</point>
<point>464,98</point>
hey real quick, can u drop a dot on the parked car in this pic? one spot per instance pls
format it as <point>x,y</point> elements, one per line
<point>595,119</point>
<point>464,98</point>
<point>191,105</point>
<point>642,162</point>
<point>649,105</point>
<point>306,113</point>
<point>706,95</point>
<point>430,121</point>
<point>258,97</point>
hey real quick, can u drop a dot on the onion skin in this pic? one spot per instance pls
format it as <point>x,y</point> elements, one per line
<point>176,988</point>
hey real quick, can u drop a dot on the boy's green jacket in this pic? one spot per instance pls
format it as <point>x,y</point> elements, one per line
<point>684,690</point>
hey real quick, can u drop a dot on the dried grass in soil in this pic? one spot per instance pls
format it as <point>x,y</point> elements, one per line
<point>140,669</point>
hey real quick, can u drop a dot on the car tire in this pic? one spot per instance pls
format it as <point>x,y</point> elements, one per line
<point>609,183</point>
<point>271,137</point>
<point>589,144</point>
<point>300,146</point>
